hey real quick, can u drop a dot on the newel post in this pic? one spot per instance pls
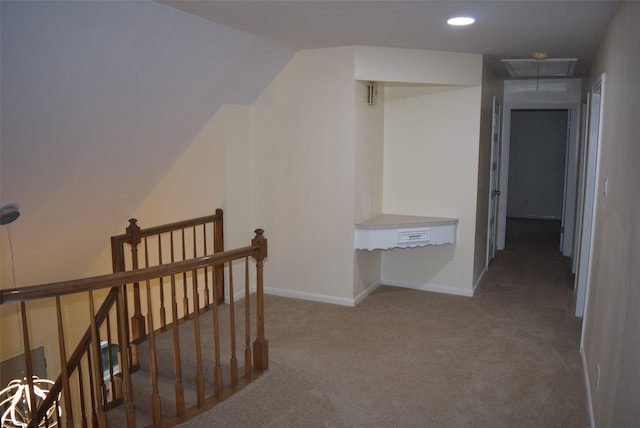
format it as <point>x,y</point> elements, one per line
<point>138,330</point>
<point>260,345</point>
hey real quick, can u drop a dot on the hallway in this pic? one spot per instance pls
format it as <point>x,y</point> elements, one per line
<point>531,266</point>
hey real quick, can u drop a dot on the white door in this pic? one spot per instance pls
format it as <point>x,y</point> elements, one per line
<point>590,197</point>
<point>494,191</point>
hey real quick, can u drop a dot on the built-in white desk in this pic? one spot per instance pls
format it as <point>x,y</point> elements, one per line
<point>386,231</point>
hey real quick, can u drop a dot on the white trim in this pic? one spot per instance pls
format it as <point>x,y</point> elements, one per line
<point>494,180</point>
<point>540,217</point>
<point>479,280</point>
<point>370,289</point>
<point>324,298</point>
<point>438,288</point>
<point>592,197</point>
<point>592,419</point>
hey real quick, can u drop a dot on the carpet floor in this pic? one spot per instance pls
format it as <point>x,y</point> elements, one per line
<point>507,357</point>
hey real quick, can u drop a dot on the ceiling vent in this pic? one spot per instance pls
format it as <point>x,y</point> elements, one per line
<point>551,67</point>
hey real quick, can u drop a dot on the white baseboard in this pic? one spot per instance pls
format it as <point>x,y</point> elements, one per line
<point>324,298</point>
<point>478,281</point>
<point>370,289</point>
<point>587,382</point>
<point>438,288</point>
<point>345,301</point>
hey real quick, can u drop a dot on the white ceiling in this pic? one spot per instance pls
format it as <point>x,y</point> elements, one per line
<point>503,29</point>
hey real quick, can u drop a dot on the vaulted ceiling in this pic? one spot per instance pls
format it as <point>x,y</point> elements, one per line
<point>99,98</point>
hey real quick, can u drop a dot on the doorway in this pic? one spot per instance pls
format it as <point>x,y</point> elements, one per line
<point>537,157</point>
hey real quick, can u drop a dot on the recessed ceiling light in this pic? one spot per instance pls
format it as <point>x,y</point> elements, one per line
<point>461,20</point>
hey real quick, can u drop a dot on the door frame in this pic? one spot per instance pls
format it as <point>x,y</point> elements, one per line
<point>494,179</point>
<point>571,161</point>
<point>590,198</point>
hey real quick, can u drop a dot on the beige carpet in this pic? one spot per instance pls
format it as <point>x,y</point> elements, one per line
<point>507,357</point>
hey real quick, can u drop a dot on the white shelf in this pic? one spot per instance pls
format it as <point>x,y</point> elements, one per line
<point>386,231</point>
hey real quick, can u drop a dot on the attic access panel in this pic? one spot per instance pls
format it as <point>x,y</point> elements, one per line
<point>552,67</point>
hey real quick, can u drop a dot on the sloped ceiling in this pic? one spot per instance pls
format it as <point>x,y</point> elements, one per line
<point>98,100</point>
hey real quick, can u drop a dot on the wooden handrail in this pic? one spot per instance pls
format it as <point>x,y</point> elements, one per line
<point>63,288</point>
<point>176,225</point>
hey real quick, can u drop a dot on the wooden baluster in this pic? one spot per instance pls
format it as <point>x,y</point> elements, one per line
<point>217,369</point>
<point>83,413</point>
<point>196,329</point>
<point>177,363</point>
<point>260,345</point>
<point>119,265</point>
<point>126,340</point>
<point>198,345</point>
<point>163,316</point>
<point>232,325</point>
<point>185,298</point>
<point>28,366</point>
<point>117,390</point>
<point>138,331</point>
<point>247,321</point>
<point>153,361</point>
<point>207,301</point>
<point>66,390</point>
<point>218,247</point>
<point>125,369</point>
<point>97,366</point>
<point>94,415</point>
<point>110,363</point>
<point>59,415</point>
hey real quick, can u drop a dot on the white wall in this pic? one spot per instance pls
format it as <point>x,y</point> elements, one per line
<point>431,135</point>
<point>238,203</point>
<point>369,146</point>
<point>303,132</point>
<point>612,321</point>
<point>417,66</point>
<point>194,186</point>
<point>431,169</point>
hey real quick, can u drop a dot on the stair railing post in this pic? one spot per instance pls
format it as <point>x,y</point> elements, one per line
<point>138,329</point>
<point>125,357</point>
<point>260,345</point>
<point>28,366</point>
<point>218,247</point>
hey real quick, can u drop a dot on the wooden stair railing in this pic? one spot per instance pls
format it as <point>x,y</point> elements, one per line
<point>146,247</point>
<point>86,389</point>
